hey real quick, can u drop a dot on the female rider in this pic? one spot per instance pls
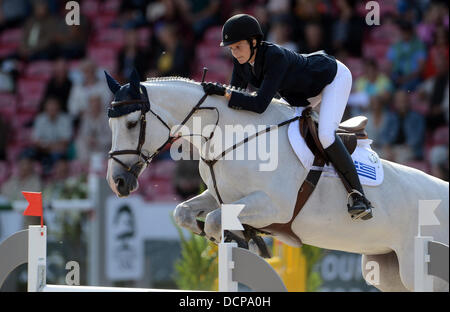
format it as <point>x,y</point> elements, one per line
<point>297,78</point>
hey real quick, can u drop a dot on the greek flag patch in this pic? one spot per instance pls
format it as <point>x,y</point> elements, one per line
<point>365,170</point>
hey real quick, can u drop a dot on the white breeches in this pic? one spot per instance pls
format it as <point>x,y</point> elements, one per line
<point>334,99</point>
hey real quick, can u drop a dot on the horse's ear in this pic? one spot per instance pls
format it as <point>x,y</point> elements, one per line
<point>135,82</point>
<point>113,85</point>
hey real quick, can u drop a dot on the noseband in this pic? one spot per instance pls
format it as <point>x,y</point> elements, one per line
<point>144,106</point>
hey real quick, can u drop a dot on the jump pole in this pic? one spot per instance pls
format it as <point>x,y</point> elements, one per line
<point>37,261</point>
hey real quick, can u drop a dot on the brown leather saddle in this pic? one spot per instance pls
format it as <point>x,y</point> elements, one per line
<point>349,131</point>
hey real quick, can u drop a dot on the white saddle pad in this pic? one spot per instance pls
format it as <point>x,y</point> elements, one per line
<point>367,161</point>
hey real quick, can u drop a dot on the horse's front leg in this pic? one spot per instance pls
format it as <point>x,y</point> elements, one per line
<point>186,213</point>
<point>259,211</point>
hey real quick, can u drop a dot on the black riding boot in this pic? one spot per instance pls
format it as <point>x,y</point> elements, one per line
<point>358,205</point>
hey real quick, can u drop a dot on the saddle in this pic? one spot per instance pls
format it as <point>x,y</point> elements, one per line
<point>349,131</point>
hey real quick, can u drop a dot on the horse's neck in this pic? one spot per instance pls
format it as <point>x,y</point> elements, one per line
<point>173,101</point>
<point>170,101</point>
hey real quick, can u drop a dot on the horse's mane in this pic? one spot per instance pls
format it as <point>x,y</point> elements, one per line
<point>171,78</point>
<point>188,80</point>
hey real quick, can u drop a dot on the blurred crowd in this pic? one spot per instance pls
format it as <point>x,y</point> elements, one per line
<point>53,93</point>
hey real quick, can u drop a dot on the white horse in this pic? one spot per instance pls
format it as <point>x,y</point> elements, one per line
<point>269,196</point>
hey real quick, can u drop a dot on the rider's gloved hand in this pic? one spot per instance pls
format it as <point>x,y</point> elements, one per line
<point>213,88</point>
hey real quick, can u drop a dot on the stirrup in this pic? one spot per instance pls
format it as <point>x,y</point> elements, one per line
<point>349,197</point>
<point>364,215</point>
<point>353,192</point>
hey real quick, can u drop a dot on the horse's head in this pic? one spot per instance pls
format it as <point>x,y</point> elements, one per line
<point>131,149</point>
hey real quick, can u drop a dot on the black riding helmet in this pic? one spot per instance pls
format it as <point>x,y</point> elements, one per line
<point>241,27</point>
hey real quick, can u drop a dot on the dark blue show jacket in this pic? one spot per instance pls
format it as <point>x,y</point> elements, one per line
<point>296,77</point>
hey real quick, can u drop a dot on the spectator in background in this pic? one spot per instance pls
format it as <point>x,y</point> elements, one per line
<point>348,29</point>
<point>94,135</point>
<point>7,83</point>
<point>427,27</point>
<point>280,33</point>
<point>439,161</point>
<point>9,73</point>
<point>172,12</point>
<point>52,132</point>
<point>262,15</point>
<point>314,39</point>
<point>277,7</point>
<point>57,183</point>
<point>5,135</point>
<point>405,134</point>
<point>203,14</point>
<point>72,39</point>
<point>171,59</point>
<point>38,40</point>
<point>438,50</point>
<point>12,13</point>
<point>372,83</point>
<point>377,122</point>
<point>132,57</point>
<point>312,12</point>
<point>25,179</point>
<point>132,14</point>
<point>59,85</point>
<point>407,59</point>
<point>435,92</point>
<point>81,92</point>
<point>411,10</point>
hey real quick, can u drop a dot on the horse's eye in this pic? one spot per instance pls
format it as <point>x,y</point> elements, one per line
<point>132,124</point>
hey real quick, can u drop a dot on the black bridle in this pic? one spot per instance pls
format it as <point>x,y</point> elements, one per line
<point>144,106</point>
